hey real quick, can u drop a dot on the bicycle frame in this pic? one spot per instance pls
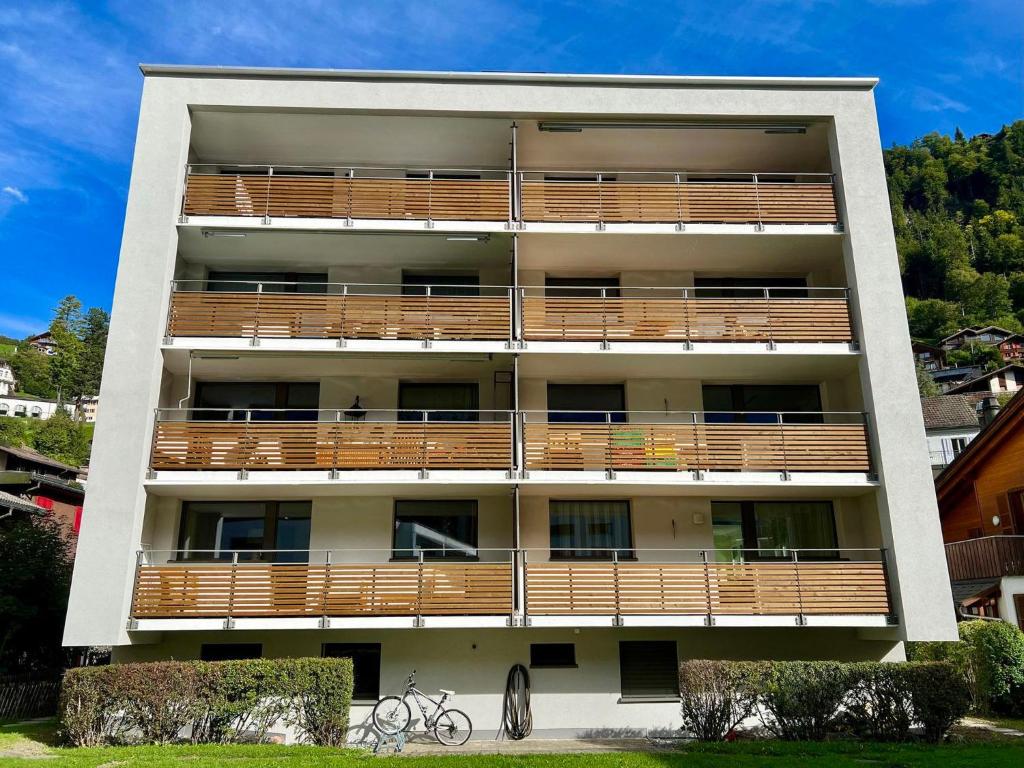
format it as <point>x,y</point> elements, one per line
<point>418,696</point>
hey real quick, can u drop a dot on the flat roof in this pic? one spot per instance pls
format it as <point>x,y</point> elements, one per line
<point>298,73</point>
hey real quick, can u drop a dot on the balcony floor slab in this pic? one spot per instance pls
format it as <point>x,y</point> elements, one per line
<point>316,622</point>
<point>700,620</point>
<point>343,225</point>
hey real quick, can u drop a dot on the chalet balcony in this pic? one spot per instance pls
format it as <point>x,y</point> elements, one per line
<point>348,193</point>
<point>687,314</point>
<point>254,310</point>
<point>666,197</point>
<point>658,441</point>
<point>280,439</point>
<point>499,587</point>
<point>988,557</point>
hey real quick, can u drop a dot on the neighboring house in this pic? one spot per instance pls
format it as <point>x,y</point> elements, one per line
<point>981,506</point>
<point>949,378</point>
<point>1009,378</point>
<point>88,408</point>
<point>950,423</point>
<point>44,342</point>
<point>988,335</point>
<point>29,407</point>
<point>41,483</point>
<point>448,396</point>
<point>7,382</point>
<point>1012,348</point>
<point>931,358</point>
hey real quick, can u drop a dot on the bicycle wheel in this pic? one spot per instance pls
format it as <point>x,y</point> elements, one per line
<point>391,715</point>
<point>453,728</point>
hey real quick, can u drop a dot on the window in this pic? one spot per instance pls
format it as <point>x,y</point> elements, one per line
<point>648,670</point>
<point>4,409</point>
<point>445,402</point>
<point>590,530</point>
<point>756,404</point>
<point>273,282</point>
<point>19,410</point>
<point>365,667</point>
<point>582,287</point>
<point>214,530</point>
<point>1018,607</point>
<point>750,287</point>
<point>441,529</point>
<point>587,402</point>
<point>37,412</point>
<point>230,651</point>
<point>958,444</point>
<point>264,401</point>
<point>553,655</point>
<point>415,284</point>
<point>751,530</point>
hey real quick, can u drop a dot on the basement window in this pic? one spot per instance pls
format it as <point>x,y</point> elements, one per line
<point>230,651</point>
<point>553,656</point>
<point>648,670</point>
<point>365,667</point>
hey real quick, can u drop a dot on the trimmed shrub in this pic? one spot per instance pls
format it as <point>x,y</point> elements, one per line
<point>716,696</point>
<point>801,700</point>
<point>319,693</point>
<point>939,694</point>
<point>222,701</point>
<point>990,656</point>
<point>879,704</point>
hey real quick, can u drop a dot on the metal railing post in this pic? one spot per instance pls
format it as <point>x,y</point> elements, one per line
<point>270,181</point>
<point>617,620</point>
<point>709,617</point>
<point>884,554</point>
<point>325,621</point>
<point>430,199</point>
<point>604,319</point>
<point>424,418</point>
<point>800,619</point>
<point>418,621</point>
<point>256,316</point>
<point>687,326</point>
<point>229,622</point>
<point>608,452</point>
<point>524,596</point>
<point>520,444</point>
<point>757,199</point>
<point>600,203</point>
<point>182,216</point>
<point>680,224</point>
<point>866,420</point>
<point>768,318</point>
<point>344,315</point>
<point>780,420</point>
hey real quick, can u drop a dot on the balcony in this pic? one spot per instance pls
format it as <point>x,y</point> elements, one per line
<point>988,557</point>
<point>339,311</point>
<point>515,587</point>
<point>271,439</point>
<point>694,441</point>
<point>777,315</point>
<point>349,193</point>
<point>439,313</point>
<point>676,197</point>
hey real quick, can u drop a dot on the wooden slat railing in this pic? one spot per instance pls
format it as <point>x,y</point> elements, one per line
<point>685,318</point>
<point>252,314</point>
<point>663,197</point>
<point>363,195</point>
<point>989,557</point>
<point>641,445</point>
<point>206,590</point>
<point>723,589</point>
<point>297,445</point>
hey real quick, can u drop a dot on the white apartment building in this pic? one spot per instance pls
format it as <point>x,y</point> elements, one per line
<point>453,371</point>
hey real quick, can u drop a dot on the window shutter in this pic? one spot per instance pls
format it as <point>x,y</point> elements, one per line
<point>648,669</point>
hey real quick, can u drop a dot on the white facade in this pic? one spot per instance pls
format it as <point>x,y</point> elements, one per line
<point>461,135</point>
<point>6,379</point>
<point>29,408</point>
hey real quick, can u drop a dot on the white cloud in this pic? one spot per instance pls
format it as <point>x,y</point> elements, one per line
<point>16,193</point>
<point>928,100</point>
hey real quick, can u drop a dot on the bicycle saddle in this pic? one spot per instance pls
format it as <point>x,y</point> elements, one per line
<point>446,693</point>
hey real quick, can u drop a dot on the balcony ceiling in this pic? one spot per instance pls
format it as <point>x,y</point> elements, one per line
<point>310,138</point>
<point>296,251</point>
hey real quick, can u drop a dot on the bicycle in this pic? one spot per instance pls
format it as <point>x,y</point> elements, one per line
<point>392,715</point>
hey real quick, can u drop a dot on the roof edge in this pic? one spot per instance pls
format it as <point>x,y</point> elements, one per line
<point>298,73</point>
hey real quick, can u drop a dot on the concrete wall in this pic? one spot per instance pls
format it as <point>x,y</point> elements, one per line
<point>585,701</point>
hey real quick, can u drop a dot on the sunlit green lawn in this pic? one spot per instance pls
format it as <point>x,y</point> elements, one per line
<point>31,745</point>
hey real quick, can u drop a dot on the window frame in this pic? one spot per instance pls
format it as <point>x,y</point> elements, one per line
<point>536,663</point>
<point>748,527</point>
<point>328,651</point>
<point>231,657</point>
<point>444,558</point>
<point>271,517</point>
<point>646,653</point>
<point>628,553</point>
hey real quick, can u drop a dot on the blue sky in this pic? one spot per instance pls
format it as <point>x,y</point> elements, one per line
<point>69,85</point>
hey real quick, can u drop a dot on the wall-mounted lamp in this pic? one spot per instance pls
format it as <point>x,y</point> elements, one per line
<point>996,521</point>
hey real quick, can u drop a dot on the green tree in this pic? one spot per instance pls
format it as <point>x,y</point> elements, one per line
<point>66,330</point>
<point>926,385</point>
<point>62,438</point>
<point>35,577</point>
<point>976,354</point>
<point>95,327</point>
<point>932,319</point>
<point>32,371</point>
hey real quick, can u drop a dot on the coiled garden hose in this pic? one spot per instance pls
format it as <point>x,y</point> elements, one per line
<point>516,717</point>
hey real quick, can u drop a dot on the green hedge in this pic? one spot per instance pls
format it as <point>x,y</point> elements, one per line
<point>808,700</point>
<point>226,701</point>
<point>990,655</point>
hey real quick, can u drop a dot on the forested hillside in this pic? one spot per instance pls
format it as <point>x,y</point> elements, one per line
<point>958,210</point>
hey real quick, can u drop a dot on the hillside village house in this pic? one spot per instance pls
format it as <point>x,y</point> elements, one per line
<point>7,381</point>
<point>44,342</point>
<point>981,504</point>
<point>449,372</point>
<point>30,407</point>
<point>950,423</point>
<point>32,483</point>
<point>989,335</point>
<point>1009,378</point>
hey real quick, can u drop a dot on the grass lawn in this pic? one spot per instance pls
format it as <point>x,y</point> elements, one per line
<point>28,745</point>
